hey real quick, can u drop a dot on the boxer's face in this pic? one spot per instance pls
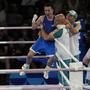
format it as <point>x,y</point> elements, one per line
<point>48,10</point>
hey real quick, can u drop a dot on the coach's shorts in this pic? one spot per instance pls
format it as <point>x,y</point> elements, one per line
<point>42,45</point>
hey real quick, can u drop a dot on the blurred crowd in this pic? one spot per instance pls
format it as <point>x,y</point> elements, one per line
<point>20,13</point>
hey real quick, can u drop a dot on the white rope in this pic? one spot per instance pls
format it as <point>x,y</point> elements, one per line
<point>18,28</point>
<point>39,87</point>
<point>63,75</point>
<point>32,87</point>
<point>61,45</point>
<point>6,71</point>
<point>16,42</point>
<point>65,65</point>
<point>21,27</point>
<point>19,57</point>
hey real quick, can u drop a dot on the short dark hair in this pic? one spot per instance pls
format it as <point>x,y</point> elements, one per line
<point>49,5</point>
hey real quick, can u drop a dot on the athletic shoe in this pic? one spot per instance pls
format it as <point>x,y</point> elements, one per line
<point>46,75</point>
<point>24,67</point>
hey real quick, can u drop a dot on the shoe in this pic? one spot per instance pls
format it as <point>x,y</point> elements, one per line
<point>24,67</point>
<point>46,76</point>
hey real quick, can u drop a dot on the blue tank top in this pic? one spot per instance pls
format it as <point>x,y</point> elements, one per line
<point>48,25</point>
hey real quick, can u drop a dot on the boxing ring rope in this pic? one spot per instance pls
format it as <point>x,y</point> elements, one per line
<point>76,60</point>
<point>26,42</point>
<point>38,87</point>
<point>64,76</point>
<point>10,28</point>
<point>22,87</point>
<point>16,42</point>
<point>65,65</point>
<point>3,71</point>
<point>14,57</point>
<point>33,87</point>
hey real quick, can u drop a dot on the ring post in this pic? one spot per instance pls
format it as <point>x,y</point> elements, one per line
<point>76,77</point>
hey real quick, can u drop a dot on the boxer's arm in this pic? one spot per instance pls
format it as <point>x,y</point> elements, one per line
<point>37,23</point>
<point>55,34</point>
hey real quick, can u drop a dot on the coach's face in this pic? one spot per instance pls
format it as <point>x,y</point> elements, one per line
<point>59,19</point>
<point>56,21</point>
<point>70,18</point>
